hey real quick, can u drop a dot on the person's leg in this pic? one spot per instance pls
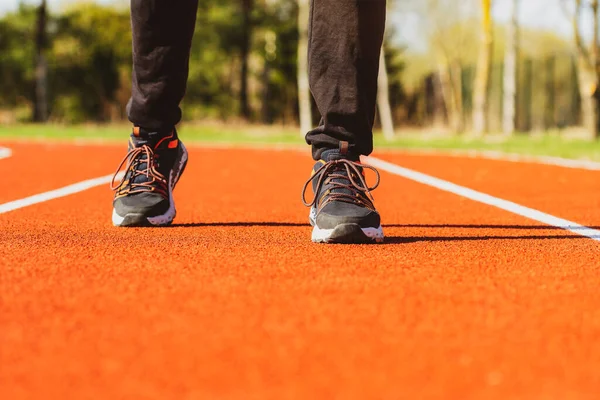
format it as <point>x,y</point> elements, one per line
<point>345,38</point>
<point>162,37</point>
<point>344,47</point>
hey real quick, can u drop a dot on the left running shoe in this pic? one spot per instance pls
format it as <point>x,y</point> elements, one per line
<point>342,210</point>
<point>153,166</point>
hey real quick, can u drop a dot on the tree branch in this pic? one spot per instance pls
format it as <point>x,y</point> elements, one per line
<point>583,52</point>
<point>595,50</point>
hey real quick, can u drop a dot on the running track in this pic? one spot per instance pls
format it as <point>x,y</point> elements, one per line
<point>465,301</point>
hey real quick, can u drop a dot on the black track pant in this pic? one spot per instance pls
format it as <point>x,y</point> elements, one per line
<point>345,41</point>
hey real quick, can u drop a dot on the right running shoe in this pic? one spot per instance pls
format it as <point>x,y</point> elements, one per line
<point>153,166</point>
<point>342,210</point>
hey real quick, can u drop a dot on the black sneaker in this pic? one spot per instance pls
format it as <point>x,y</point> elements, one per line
<point>154,164</point>
<point>342,210</point>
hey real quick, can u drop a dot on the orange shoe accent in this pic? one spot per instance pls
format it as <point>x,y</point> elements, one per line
<point>136,131</point>
<point>165,138</point>
<point>173,144</point>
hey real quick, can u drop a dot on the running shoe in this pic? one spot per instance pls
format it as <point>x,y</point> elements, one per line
<point>153,166</point>
<point>342,210</point>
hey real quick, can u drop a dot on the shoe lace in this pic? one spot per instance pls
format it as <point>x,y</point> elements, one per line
<point>352,192</point>
<point>154,182</point>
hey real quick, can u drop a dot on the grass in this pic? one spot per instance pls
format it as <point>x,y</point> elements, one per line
<point>117,132</point>
<point>537,145</point>
<point>550,144</point>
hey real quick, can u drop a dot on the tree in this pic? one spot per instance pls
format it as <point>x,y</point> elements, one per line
<point>587,66</point>
<point>279,20</point>
<point>448,26</point>
<point>484,66</point>
<point>90,66</point>
<point>304,96</point>
<point>18,58</point>
<point>246,43</point>
<point>40,113</point>
<point>450,73</point>
<point>383,99</point>
<point>509,119</point>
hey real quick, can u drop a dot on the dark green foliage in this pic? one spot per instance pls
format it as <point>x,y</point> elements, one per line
<point>89,62</point>
<point>17,57</point>
<point>90,47</point>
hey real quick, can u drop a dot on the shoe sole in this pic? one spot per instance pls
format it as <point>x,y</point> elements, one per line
<point>345,233</point>
<point>140,220</point>
<point>348,234</point>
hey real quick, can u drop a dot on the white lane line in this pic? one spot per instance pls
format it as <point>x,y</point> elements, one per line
<point>485,198</point>
<point>55,194</point>
<point>5,152</point>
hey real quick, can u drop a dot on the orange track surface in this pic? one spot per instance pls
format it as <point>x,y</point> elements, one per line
<point>35,168</point>
<point>464,301</point>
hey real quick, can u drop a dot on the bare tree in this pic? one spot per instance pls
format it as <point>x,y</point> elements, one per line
<point>484,66</point>
<point>304,96</point>
<point>383,99</point>
<point>40,112</point>
<point>247,25</point>
<point>446,23</point>
<point>509,118</point>
<point>587,64</point>
<point>450,73</point>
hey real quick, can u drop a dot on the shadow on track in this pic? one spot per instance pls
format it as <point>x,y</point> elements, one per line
<point>460,226</point>
<point>484,237</point>
<point>240,224</point>
<point>416,239</point>
<point>432,239</point>
<point>431,226</point>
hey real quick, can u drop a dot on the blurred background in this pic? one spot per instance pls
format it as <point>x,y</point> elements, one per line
<point>451,68</point>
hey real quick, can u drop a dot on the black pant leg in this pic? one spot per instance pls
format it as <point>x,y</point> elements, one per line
<point>162,37</point>
<point>345,38</point>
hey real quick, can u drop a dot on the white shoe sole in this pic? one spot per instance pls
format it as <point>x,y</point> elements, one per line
<point>348,233</point>
<point>344,233</point>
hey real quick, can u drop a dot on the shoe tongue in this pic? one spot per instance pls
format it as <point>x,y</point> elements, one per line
<point>335,154</point>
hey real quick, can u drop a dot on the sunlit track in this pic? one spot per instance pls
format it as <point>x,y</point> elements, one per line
<point>484,198</point>
<point>5,152</point>
<point>57,193</point>
<point>465,299</point>
<point>441,184</point>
